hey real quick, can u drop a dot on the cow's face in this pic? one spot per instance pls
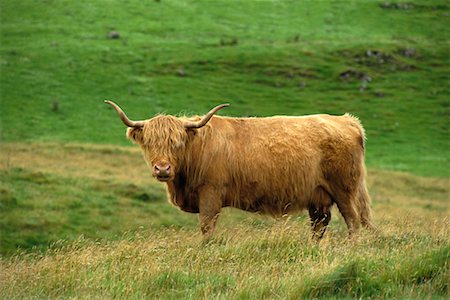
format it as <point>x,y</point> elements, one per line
<point>163,141</point>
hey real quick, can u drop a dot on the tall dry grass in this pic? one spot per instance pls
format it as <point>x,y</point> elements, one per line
<point>408,258</point>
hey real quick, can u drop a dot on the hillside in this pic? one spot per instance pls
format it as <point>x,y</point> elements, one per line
<point>387,64</point>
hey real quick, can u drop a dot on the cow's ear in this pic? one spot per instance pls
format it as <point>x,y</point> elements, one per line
<point>191,132</point>
<point>135,134</point>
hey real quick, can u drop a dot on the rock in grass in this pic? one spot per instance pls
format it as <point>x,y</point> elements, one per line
<point>181,72</point>
<point>113,35</point>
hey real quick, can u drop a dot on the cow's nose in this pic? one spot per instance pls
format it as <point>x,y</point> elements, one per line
<point>162,170</point>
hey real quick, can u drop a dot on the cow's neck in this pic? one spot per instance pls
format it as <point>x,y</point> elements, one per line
<point>182,195</point>
<point>183,190</point>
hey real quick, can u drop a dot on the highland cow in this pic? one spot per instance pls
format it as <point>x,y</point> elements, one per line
<point>273,165</point>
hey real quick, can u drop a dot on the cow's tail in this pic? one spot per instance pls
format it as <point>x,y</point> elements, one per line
<point>363,197</point>
<point>364,207</point>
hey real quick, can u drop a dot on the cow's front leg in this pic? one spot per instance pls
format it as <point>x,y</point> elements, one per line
<point>210,204</point>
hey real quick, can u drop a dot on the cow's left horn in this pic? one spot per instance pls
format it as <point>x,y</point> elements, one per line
<point>124,117</point>
<point>206,118</point>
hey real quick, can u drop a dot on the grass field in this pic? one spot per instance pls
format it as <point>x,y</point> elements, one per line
<point>80,215</point>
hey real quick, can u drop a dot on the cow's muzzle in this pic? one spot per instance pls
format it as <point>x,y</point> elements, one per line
<point>162,172</point>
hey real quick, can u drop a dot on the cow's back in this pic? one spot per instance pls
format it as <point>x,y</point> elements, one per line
<point>274,164</point>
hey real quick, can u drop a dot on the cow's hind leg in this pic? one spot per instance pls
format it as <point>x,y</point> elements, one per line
<point>346,204</point>
<point>320,212</point>
<point>320,217</point>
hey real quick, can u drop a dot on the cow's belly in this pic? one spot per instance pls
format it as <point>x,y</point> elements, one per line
<point>269,205</point>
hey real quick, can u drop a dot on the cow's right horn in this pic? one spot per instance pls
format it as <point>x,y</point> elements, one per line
<point>206,118</point>
<point>124,117</point>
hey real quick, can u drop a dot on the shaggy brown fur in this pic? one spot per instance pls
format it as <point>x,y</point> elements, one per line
<point>274,165</point>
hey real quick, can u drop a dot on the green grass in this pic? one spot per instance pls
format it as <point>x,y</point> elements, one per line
<point>41,206</point>
<point>264,58</point>
<point>69,207</point>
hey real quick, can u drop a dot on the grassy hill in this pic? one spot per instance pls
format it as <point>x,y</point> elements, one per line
<point>389,65</point>
<point>67,170</point>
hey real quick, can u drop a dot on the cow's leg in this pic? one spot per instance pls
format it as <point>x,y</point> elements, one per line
<point>210,204</point>
<point>345,204</point>
<point>319,212</point>
<point>208,224</point>
<point>345,199</point>
<point>320,217</point>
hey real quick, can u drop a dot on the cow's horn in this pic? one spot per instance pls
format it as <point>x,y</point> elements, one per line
<point>124,117</point>
<point>206,118</point>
